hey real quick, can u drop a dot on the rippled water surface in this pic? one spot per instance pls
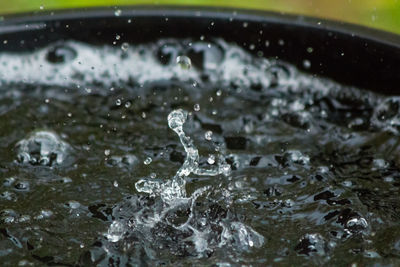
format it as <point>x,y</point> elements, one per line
<point>186,152</point>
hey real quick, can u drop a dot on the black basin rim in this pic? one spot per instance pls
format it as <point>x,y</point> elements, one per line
<point>374,69</point>
<point>170,11</point>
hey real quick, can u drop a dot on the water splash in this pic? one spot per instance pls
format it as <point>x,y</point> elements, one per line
<point>169,215</point>
<point>42,148</point>
<point>175,188</point>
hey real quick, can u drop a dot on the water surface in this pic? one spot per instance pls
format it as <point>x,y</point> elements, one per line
<point>294,169</point>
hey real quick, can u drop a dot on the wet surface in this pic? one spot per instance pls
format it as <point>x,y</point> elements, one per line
<point>314,166</point>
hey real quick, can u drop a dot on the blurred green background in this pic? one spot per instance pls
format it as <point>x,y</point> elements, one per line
<point>382,14</point>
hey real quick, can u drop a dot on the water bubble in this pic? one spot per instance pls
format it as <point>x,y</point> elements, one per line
<point>117,37</point>
<point>118,102</point>
<point>184,62</point>
<point>128,104</point>
<point>208,135</point>
<point>196,107</point>
<point>107,152</point>
<point>147,161</point>
<point>356,224</point>
<point>22,186</point>
<point>115,184</point>
<point>42,148</point>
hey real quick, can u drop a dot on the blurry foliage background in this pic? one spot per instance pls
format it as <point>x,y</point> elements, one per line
<point>382,14</point>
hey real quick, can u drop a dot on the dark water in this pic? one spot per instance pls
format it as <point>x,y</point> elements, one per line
<point>314,166</point>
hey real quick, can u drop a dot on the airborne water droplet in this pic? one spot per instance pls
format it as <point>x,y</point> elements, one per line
<point>184,62</point>
<point>208,135</point>
<point>306,64</point>
<point>117,12</point>
<point>124,46</point>
<point>211,159</point>
<point>147,161</point>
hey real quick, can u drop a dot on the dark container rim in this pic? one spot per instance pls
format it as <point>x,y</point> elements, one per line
<point>351,54</point>
<point>245,14</point>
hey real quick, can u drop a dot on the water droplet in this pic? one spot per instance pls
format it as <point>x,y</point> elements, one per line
<point>306,64</point>
<point>117,12</point>
<point>118,102</point>
<point>115,184</point>
<point>196,107</point>
<point>124,46</point>
<point>184,62</point>
<point>208,135</point>
<point>117,37</point>
<point>107,152</point>
<point>211,159</point>
<point>147,161</point>
<point>128,104</point>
